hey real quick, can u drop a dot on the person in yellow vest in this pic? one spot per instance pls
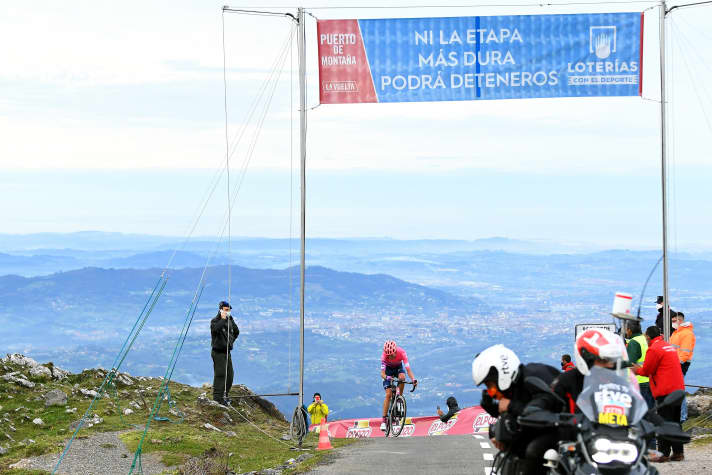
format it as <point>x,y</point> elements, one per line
<point>637,348</point>
<point>318,410</point>
<point>683,339</point>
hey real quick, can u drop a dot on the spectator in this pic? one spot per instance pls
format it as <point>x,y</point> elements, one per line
<point>566,364</point>
<point>637,348</point>
<point>223,332</point>
<point>683,339</point>
<point>318,409</point>
<point>452,409</point>
<point>661,316</point>
<point>663,367</point>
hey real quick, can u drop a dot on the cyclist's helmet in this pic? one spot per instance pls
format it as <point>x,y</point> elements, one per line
<point>497,363</point>
<point>598,344</point>
<point>389,347</point>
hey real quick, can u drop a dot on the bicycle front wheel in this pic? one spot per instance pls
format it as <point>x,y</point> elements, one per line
<point>397,416</point>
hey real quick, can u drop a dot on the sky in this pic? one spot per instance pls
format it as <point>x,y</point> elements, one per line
<point>113,118</point>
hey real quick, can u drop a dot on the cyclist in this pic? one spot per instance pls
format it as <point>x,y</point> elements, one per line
<point>394,364</point>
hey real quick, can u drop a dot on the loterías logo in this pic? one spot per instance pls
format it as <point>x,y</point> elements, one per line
<point>602,41</point>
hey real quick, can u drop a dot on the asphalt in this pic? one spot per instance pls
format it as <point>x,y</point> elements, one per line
<point>447,454</point>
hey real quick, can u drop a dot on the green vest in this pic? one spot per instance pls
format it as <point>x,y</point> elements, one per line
<point>643,350</point>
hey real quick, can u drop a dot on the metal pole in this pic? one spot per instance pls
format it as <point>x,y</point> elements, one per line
<point>302,156</point>
<point>666,300</point>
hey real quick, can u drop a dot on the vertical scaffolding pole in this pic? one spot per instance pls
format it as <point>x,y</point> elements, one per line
<point>663,173</point>
<point>302,160</point>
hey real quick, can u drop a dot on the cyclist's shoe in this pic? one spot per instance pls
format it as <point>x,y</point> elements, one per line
<point>383,426</point>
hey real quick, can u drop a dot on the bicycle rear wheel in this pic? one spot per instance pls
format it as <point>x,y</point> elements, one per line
<point>397,415</point>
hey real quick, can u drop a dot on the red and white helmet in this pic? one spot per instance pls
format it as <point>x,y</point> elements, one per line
<point>390,347</point>
<point>598,344</point>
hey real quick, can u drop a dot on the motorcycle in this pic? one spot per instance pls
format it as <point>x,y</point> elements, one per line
<point>612,433</point>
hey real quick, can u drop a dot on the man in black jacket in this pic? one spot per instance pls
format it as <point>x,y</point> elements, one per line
<point>506,397</point>
<point>660,317</point>
<point>223,332</point>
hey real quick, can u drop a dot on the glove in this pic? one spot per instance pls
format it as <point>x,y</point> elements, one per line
<point>489,405</point>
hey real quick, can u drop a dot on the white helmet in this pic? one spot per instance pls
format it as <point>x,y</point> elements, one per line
<point>497,362</point>
<point>598,344</point>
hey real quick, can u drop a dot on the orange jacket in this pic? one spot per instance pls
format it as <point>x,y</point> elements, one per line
<point>683,339</point>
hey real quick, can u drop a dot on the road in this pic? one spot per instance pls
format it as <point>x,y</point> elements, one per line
<point>451,454</point>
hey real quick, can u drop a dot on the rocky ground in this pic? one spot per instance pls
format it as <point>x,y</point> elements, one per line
<point>42,405</point>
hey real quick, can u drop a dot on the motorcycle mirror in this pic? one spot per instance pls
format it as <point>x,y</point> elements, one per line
<point>539,385</point>
<point>673,398</point>
<point>672,433</point>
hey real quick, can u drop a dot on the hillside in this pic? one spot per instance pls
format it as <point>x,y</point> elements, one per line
<point>41,405</point>
<point>90,288</point>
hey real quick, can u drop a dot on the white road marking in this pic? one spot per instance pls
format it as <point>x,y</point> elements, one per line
<point>485,445</point>
<point>488,456</point>
<point>478,436</point>
<point>488,470</point>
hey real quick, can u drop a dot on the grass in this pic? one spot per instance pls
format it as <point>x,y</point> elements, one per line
<point>250,449</point>
<point>174,444</point>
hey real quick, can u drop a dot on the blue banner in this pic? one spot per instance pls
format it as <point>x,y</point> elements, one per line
<point>482,57</point>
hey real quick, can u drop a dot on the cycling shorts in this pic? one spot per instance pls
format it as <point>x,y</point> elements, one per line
<point>393,372</point>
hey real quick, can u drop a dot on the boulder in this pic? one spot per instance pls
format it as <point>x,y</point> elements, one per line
<point>18,378</point>
<point>211,427</point>
<point>128,412</point>
<point>20,360</point>
<point>40,371</point>
<point>58,373</point>
<point>3,450</point>
<point>37,421</point>
<point>55,397</point>
<point>124,379</point>
<point>698,405</point>
<point>88,392</point>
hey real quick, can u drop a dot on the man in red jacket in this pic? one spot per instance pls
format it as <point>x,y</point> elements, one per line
<point>663,367</point>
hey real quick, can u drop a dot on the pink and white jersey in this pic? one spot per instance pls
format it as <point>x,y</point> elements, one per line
<point>395,362</point>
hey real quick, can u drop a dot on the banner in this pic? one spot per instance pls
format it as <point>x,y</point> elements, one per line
<point>479,58</point>
<point>470,420</point>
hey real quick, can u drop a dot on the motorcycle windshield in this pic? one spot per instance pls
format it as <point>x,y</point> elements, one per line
<point>612,397</point>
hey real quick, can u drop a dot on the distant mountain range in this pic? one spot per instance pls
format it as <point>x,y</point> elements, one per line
<point>328,289</point>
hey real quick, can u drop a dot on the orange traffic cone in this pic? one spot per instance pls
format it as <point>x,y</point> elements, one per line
<point>324,442</point>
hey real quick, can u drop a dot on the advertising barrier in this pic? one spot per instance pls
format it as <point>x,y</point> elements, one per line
<point>470,420</point>
<point>480,57</point>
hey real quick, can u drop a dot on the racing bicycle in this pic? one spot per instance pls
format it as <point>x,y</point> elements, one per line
<point>395,420</point>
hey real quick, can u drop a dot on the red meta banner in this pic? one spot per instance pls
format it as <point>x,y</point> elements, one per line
<point>470,420</point>
<point>344,73</point>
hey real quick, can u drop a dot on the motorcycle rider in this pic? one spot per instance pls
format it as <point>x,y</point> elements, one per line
<point>506,396</point>
<point>594,347</point>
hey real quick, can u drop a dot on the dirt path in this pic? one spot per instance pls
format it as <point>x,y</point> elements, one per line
<point>698,460</point>
<point>102,453</point>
